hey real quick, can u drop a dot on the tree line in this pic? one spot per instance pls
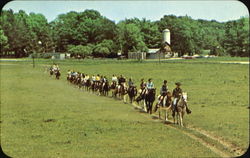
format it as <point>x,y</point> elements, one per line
<point>88,33</point>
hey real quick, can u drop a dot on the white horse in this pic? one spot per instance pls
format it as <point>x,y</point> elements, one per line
<point>181,108</point>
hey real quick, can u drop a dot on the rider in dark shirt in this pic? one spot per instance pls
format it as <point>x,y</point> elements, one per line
<point>163,91</point>
<point>177,92</point>
<point>121,80</point>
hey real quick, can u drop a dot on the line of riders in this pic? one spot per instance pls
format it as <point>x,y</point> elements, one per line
<point>120,87</point>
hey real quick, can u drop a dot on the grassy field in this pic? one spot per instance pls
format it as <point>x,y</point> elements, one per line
<point>43,117</point>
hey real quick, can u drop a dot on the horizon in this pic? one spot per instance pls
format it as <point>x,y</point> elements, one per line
<point>220,11</point>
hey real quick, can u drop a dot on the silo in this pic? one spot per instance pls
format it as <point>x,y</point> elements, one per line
<point>166,36</point>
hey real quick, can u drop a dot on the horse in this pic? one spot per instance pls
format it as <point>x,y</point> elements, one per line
<point>149,99</point>
<point>58,74</point>
<point>105,88</point>
<point>113,88</point>
<point>180,108</point>
<point>166,105</point>
<point>123,91</point>
<point>87,85</point>
<point>51,72</point>
<point>132,92</point>
<point>141,97</point>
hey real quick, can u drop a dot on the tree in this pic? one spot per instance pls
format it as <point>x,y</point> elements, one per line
<point>130,38</point>
<point>236,40</point>
<point>80,50</point>
<point>3,42</point>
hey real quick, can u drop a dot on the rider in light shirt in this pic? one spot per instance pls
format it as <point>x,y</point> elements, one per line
<point>86,77</point>
<point>93,78</point>
<point>149,85</point>
<point>114,79</point>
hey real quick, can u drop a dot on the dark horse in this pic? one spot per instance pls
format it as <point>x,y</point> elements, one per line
<point>87,85</point>
<point>149,99</point>
<point>132,92</point>
<point>105,88</point>
<point>58,74</point>
<point>51,72</point>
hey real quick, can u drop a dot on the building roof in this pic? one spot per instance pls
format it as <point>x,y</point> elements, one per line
<point>153,50</point>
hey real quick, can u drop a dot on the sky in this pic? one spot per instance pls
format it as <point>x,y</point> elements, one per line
<point>220,10</point>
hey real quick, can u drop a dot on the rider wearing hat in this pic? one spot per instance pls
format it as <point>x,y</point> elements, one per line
<point>177,93</point>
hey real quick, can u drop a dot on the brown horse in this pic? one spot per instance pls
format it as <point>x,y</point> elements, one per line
<point>166,105</point>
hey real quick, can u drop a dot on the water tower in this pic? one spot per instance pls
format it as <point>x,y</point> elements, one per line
<point>166,36</point>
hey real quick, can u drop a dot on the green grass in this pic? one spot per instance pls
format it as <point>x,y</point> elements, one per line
<point>86,125</point>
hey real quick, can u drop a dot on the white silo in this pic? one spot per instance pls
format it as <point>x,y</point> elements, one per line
<point>166,36</point>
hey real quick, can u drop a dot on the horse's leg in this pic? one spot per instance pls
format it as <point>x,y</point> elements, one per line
<point>124,98</point>
<point>181,118</point>
<point>166,115</point>
<point>173,115</point>
<point>150,107</point>
<point>144,105</point>
<point>159,113</point>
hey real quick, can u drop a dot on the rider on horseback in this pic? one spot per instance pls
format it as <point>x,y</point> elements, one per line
<point>177,92</point>
<point>142,87</point>
<point>121,81</point>
<point>130,83</point>
<point>98,79</point>
<point>150,85</point>
<point>163,92</point>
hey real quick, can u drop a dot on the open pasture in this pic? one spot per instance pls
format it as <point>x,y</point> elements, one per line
<point>44,117</point>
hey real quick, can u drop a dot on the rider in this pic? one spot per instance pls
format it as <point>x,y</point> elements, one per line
<point>93,78</point>
<point>114,79</point>
<point>163,91</point>
<point>54,67</point>
<point>177,92</point>
<point>57,67</point>
<point>150,85</point>
<point>130,83</point>
<point>86,78</point>
<point>69,73</point>
<point>121,81</point>
<point>98,79</point>
<point>142,87</point>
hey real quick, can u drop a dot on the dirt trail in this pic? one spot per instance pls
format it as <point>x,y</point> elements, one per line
<point>234,150</point>
<point>230,146</point>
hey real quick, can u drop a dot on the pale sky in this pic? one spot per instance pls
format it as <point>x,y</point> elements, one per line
<point>220,10</point>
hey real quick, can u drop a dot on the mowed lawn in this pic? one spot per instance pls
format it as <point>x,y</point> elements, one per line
<point>44,117</point>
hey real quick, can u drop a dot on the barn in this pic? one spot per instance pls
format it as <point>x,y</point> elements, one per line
<point>137,55</point>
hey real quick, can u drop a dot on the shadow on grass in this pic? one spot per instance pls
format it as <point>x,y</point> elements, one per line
<point>49,120</point>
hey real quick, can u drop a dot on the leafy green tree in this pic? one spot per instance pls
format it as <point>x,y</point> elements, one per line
<point>130,38</point>
<point>80,50</point>
<point>237,37</point>
<point>3,42</point>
